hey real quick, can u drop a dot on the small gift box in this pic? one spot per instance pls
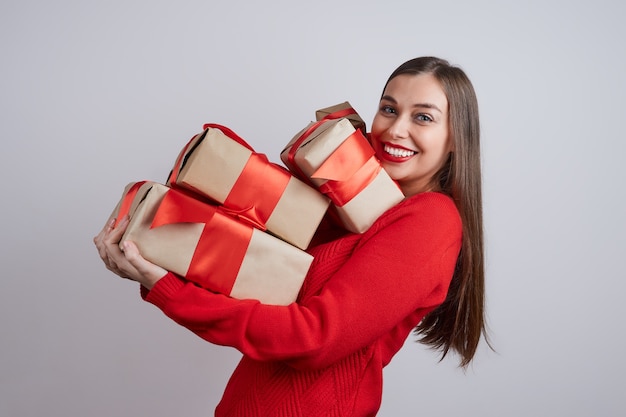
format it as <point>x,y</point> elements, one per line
<point>342,110</point>
<point>338,160</point>
<point>220,165</point>
<point>209,247</point>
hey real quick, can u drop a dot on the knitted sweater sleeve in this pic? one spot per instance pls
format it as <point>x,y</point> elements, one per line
<point>404,263</point>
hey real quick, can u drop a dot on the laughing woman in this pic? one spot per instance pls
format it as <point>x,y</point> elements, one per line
<point>418,268</point>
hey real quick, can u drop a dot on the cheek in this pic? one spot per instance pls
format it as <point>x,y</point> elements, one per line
<point>375,131</point>
<point>373,138</point>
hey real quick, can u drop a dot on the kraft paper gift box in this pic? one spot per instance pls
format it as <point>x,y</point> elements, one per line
<point>219,165</point>
<point>198,241</point>
<point>128,204</point>
<point>344,109</point>
<point>338,160</point>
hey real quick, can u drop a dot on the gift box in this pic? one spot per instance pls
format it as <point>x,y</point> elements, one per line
<point>209,247</point>
<point>128,203</point>
<point>338,160</point>
<point>342,110</point>
<point>219,165</point>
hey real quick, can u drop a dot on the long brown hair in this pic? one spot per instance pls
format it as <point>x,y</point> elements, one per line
<point>458,323</point>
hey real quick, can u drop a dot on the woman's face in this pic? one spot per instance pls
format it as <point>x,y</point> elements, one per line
<point>410,132</point>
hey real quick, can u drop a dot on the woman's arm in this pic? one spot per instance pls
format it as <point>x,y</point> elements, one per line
<point>403,264</point>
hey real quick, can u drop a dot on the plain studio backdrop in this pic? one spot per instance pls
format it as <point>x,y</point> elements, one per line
<point>97,94</point>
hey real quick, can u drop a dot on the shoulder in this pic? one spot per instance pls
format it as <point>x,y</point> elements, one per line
<point>433,200</point>
<point>426,209</point>
<point>423,222</point>
<point>422,234</point>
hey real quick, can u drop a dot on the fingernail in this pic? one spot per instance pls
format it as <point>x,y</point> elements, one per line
<point>111,222</point>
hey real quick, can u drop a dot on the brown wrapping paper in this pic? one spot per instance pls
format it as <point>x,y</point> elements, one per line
<point>271,271</point>
<point>354,119</point>
<point>360,212</point>
<point>213,164</point>
<point>135,202</point>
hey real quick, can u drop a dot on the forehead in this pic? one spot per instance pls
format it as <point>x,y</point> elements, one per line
<point>409,89</point>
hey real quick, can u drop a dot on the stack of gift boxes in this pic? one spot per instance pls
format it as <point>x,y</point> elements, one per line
<point>231,221</point>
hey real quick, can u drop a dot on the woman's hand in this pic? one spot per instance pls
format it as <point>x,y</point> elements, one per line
<point>128,263</point>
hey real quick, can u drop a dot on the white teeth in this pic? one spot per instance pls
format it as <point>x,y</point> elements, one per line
<point>397,152</point>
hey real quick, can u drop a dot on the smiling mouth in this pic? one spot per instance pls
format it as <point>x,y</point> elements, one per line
<point>398,152</point>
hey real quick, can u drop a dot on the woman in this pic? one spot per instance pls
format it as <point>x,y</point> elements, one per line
<point>420,266</point>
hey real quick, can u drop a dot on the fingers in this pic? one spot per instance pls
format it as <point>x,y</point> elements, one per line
<point>107,245</point>
<point>131,252</point>
<point>98,240</point>
<point>107,227</point>
<point>111,265</point>
<point>127,263</point>
<point>147,272</point>
<point>105,230</point>
<point>113,235</point>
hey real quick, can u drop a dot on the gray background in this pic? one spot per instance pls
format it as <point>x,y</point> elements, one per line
<point>97,94</point>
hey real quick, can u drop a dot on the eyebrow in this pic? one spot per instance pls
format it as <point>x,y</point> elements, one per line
<point>422,105</point>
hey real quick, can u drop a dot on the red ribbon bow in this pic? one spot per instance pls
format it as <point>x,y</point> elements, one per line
<point>222,245</point>
<point>258,188</point>
<point>349,169</point>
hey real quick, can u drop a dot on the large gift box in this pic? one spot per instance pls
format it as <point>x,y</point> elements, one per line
<point>209,247</point>
<point>339,160</point>
<point>220,165</point>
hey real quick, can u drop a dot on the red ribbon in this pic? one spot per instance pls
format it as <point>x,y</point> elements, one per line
<point>228,133</point>
<point>291,155</point>
<point>258,188</point>
<point>349,169</point>
<point>340,113</point>
<point>256,192</point>
<point>127,201</point>
<point>222,245</point>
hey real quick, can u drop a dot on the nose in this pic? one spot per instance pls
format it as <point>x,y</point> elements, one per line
<point>399,128</point>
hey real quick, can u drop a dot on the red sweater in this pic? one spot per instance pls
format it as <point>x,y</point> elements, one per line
<point>324,354</point>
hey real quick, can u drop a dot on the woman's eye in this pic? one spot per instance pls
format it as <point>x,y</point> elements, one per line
<point>423,118</point>
<point>387,110</point>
